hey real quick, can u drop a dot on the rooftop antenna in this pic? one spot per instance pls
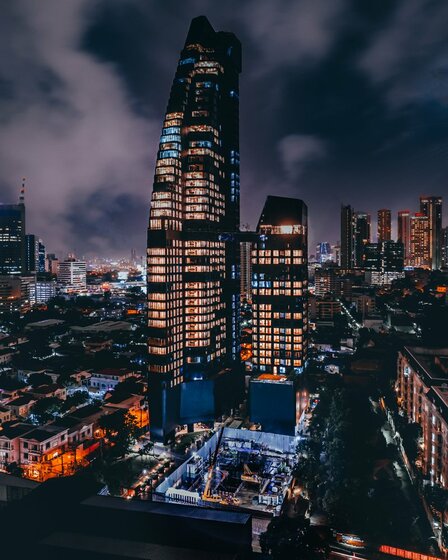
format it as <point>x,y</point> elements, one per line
<point>22,192</point>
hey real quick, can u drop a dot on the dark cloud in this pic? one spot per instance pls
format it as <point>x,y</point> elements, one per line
<point>341,101</point>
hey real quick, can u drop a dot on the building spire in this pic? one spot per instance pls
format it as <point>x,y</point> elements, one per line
<point>22,192</point>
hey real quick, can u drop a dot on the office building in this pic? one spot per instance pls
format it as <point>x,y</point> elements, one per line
<point>404,233</point>
<point>14,293</point>
<point>324,252</point>
<point>326,281</point>
<point>361,236</point>
<point>193,255</point>
<point>31,253</point>
<point>72,275</point>
<point>431,207</point>
<point>246,270</point>
<point>12,237</point>
<point>384,225</point>
<point>420,255</point>
<point>372,256</point>
<point>444,250</point>
<point>42,290</point>
<point>347,238</point>
<point>279,288</point>
<point>41,256</point>
<point>51,264</point>
<point>392,256</point>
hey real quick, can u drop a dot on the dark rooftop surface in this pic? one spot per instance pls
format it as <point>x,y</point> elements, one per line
<point>168,509</point>
<point>281,211</point>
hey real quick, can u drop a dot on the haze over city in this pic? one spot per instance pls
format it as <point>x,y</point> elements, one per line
<point>342,102</point>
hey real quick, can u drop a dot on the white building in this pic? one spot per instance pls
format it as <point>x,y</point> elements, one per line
<point>72,275</point>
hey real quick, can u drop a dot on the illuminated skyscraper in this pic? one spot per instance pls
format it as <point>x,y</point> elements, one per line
<point>420,241</point>
<point>384,225</point>
<point>324,252</point>
<point>246,270</point>
<point>31,253</point>
<point>12,237</point>
<point>347,238</point>
<point>193,255</point>
<point>445,247</point>
<point>404,233</point>
<point>361,236</point>
<point>431,206</point>
<point>279,287</point>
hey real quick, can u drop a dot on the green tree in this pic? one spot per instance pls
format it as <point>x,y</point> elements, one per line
<point>121,432</point>
<point>46,409</point>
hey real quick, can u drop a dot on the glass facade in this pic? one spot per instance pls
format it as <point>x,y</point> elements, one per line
<point>12,238</point>
<point>193,255</point>
<point>279,287</point>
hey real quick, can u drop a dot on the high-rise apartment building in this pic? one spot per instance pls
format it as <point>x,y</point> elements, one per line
<point>347,238</point>
<point>72,275</point>
<point>404,233</point>
<point>444,250</point>
<point>384,225</point>
<point>31,252</point>
<point>279,288</point>
<point>420,255</point>
<point>246,270</point>
<point>12,237</point>
<point>326,281</point>
<point>193,255</point>
<point>392,256</point>
<point>431,206</point>
<point>361,236</point>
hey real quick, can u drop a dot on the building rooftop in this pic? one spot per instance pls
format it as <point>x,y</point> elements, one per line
<point>282,211</point>
<point>20,401</point>
<point>45,323</point>
<point>431,363</point>
<point>42,434</point>
<point>16,430</point>
<point>163,508</point>
<point>104,326</point>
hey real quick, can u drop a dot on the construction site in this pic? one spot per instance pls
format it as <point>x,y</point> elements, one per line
<point>235,469</point>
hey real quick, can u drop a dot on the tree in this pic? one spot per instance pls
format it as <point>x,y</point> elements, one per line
<point>74,401</point>
<point>120,430</point>
<point>38,379</point>
<point>46,409</point>
<point>287,538</point>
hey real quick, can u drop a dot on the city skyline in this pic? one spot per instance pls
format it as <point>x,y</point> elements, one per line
<point>319,143</point>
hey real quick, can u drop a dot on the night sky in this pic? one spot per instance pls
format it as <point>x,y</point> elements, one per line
<point>341,101</point>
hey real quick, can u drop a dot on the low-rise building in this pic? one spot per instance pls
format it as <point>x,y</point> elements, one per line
<point>21,406</point>
<point>47,391</point>
<point>107,379</point>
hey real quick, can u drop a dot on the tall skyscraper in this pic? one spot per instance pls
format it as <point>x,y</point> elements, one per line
<point>444,251</point>
<point>347,238</point>
<point>279,289</point>
<point>361,236</point>
<point>12,237</point>
<point>324,252</point>
<point>31,253</point>
<point>193,256</point>
<point>384,225</point>
<point>392,256</point>
<point>431,206</point>
<point>420,256</point>
<point>404,233</point>
<point>246,270</point>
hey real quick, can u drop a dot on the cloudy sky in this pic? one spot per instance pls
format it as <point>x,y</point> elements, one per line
<point>342,101</point>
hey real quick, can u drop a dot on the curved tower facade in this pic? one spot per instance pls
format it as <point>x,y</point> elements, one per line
<point>193,256</point>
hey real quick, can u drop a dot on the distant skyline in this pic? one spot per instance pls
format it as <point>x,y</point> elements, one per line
<point>341,102</point>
